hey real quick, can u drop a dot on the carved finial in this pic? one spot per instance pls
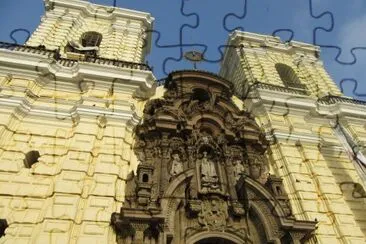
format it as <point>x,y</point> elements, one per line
<point>194,57</point>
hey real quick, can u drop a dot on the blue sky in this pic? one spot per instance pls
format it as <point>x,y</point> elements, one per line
<point>206,24</point>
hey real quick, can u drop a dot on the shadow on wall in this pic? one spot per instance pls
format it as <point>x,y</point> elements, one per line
<point>353,193</point>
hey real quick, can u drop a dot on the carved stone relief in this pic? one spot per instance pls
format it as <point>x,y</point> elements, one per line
<point>213,214</point>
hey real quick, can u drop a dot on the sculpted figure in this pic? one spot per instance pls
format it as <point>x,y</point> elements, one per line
<point>238,169</point>
<point>255,169</point>
<point>264,175</point>
<point>177,165</point>
<point>259,171</point>
<point>208,171</point>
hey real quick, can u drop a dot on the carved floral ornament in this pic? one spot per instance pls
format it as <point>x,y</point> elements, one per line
<point>202,170</point>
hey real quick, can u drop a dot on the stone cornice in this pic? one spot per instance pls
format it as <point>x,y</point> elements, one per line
<point>341,106</point>
<point>101,11</point>
<point>22,107</point>
<point>265,42</point>
<point>35,64</point>
<point>237,37</point>
<point>282,99</point>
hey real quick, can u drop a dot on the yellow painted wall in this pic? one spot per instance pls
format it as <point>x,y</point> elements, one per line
<point>68,196</point>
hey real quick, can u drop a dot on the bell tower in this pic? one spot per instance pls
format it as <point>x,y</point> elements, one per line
<point>77,28</point>
<point>265,59</point>
<point>309,123</point>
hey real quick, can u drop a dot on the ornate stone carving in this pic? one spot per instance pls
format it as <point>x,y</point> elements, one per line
<point>275,185</point>
<point>214,214</point>
<point>194,206</point>
<point>238,208</point>
<point>201,169</point>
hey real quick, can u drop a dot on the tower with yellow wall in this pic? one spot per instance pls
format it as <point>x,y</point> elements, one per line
<point>287,89</point>
<point>69,100</point>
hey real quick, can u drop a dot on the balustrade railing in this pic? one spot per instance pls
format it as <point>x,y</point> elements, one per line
<point>295,85</point>
<point>328,100</point>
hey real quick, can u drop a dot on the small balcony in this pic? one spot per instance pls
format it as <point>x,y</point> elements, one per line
<point>295,85</point>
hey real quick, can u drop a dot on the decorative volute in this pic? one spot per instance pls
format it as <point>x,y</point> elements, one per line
<point>202,171</point>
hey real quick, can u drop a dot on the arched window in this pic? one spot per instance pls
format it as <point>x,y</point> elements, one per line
<point>91,39</point>
<point>31,158</point>
<point>200,95</point>
<point>145,178</point>
<point>88,45</point>
<point>288,76</point>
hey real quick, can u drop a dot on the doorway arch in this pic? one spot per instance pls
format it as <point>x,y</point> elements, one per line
<point>214,238</point>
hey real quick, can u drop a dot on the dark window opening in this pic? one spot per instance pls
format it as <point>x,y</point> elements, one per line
<point>91,39</point>
<point>145,178</point>
<point>89,44</point>
<point>278,189</point>
<point>31,158</point>
<point>286,239</point>
<point>200,95</point>
<point>206,131</point>
<point>289,77</point>
<point>358,191</point>
<point>3,226</point>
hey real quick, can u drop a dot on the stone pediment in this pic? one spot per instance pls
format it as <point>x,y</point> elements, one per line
<point>203,171</point>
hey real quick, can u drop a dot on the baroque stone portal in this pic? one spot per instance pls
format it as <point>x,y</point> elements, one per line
<point>203,174</point>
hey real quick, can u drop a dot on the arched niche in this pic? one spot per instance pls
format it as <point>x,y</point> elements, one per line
<point>214,237</point>
<point>287,74</point>
<point>91,39</point>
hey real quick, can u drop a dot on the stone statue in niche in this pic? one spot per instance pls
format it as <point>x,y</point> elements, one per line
<point>208,172</point>
<point>177,165</point>
<point>239,169</point>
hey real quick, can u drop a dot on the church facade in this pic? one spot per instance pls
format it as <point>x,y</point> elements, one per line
<point>94,150</point>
